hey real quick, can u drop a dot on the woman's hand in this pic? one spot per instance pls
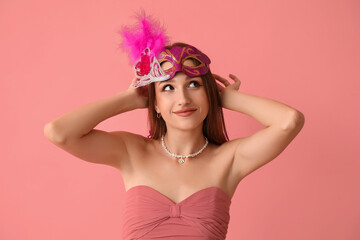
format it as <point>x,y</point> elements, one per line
<point>227,88</point>
<point>140,94</point>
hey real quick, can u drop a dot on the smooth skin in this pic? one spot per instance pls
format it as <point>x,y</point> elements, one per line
<point>143,161</point>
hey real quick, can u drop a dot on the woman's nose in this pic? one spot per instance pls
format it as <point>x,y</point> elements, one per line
<point>183,96</point>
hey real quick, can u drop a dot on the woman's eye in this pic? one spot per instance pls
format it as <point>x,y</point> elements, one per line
<point>194,84</point>
<point>167,88</point>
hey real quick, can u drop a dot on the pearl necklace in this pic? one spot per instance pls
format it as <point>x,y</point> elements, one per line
<point>181,158</point>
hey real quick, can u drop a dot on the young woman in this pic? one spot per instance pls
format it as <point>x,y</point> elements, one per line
<point>181,179</point>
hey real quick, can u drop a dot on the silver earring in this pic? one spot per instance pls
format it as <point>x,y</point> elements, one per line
<point>158,115</point>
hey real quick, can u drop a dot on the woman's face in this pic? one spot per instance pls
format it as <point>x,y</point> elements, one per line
<point>182,100</point>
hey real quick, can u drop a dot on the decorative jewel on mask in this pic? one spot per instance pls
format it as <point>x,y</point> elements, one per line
<point>148,70</point>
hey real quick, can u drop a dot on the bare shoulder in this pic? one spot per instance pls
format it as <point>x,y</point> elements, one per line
<point>228,151</point>
<point>134,143</point>
<point>229,148</point>
<point>260,148</point>
<point>129,138</point>
<point>136,147</point>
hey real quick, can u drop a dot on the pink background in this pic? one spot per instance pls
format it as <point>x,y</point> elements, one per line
<point>58,55</point>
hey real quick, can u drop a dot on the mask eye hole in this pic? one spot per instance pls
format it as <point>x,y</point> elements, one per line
<point>191,62</point>
<point>166,65</point>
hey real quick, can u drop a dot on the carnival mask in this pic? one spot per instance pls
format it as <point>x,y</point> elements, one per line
<point>178,57</point>
<point>145,43</point>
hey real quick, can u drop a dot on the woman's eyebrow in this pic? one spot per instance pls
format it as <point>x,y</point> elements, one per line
<point>187,78</point>
<point>166,81</point>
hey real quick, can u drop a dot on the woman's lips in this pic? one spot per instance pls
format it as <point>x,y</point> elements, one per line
<point>185,112</point>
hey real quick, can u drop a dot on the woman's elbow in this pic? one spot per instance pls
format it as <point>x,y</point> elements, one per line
<point>50,133</point>
<point>296,121</point>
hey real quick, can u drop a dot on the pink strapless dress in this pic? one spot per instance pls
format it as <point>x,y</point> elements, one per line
<point>150,215</point>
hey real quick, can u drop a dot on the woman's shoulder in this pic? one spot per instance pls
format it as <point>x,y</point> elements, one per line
<point>128,137</point>
<point>228,147</point>
<point>133,140</point>
<point>229,144</point>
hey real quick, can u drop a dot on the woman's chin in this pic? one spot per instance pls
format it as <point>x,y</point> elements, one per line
<point>186,126</point>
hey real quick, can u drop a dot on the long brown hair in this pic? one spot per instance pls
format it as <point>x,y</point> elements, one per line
<point>213,127</point>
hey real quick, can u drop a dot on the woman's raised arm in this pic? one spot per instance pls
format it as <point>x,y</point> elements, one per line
<point>282,124</point>
<point>74,131</point>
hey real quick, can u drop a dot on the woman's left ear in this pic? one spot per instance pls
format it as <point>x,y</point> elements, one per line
<point>156,107</point>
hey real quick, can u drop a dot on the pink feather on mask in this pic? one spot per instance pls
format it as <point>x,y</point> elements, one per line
<point>147,33</point>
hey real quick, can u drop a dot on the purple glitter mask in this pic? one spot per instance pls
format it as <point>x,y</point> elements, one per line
<point>177,57</point>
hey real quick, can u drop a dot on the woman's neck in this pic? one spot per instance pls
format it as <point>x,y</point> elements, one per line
<point>184,142</point>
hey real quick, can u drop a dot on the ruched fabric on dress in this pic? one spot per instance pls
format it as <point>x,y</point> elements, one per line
<point>150,215</point>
